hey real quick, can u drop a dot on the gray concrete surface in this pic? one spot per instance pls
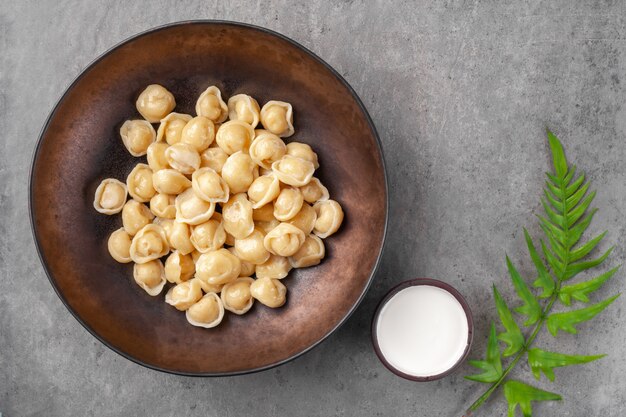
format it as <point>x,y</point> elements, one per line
<point>460,92</point>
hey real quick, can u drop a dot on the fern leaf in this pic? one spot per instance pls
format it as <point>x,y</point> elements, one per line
<point>576,232</point>
<point>585,249</point>
<point>543,361</point>
<point>519,393</point>
<point>513,336</point>
<point>558,249</point>
<point>555,218</point>
<point>531,308</point>
<point>556,193</point>
<point>572,188</point>
<point>492,365</point>
<point>553,230</point>
<point>574,269</point>
<point>558,155</point>
<point>569,176</point>
<point>556,265</point>
<point>566,321</point>
<point>575,198</point>
<point>556,181</point>
<point>574,215</point>
<point>544,280</point>
<point>565,181</point>
<point>579,291</point>
<point>556,204</point>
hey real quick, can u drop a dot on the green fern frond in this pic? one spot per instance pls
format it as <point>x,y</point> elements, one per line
<point>581,290</point>
<point>492,365</point>
<point>544,361</point>
<point>519,393</point>
<point>566,202</point>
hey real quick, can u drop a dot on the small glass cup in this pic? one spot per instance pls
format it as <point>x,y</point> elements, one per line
<point>429,282</point>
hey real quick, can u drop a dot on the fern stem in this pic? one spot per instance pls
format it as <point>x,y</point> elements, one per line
<point>539,325</point>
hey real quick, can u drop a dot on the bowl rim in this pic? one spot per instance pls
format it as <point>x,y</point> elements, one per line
<point>434,283</point>
<point>72,85</point>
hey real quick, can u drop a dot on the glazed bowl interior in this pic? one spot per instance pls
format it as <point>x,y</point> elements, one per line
<point>80,145</point>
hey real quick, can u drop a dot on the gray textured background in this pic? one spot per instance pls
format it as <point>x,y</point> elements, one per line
<point>460,92</point>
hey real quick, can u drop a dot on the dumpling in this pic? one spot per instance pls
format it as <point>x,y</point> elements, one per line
<point>236,296</point>
<point>135,216</point>
<point>119,246</point>
<point>179,237</point>
<point>237,216</point>
<point>264,213</point>
<point>267,226</point>
<point>276,267</point>
<point>155,102</point>
<point>303,151</point>
<point>110,196</point>
<point>247,268</point>
<point>209,186</point>
<point>244,108</point>
<point>329,218</point>
<point>211,105</point>
<point>270,292</point>
<point>156,156</point>
<point>288,204</point>
<point>184,295</point>
<point>284,240</point>
<point>208,312</point>
<point>293,171</point>
<point>277,117</point>
<point>218,267</point>
<point>213,158</point>
<point>150,276</point>
<point>310,253</point>
<point>208,236</point>
<point>199,133</point>
<point>171,128</point>
<point>162,205</point>
<point>179,267</point>
<point>267,148</point>
<point>263,190</point>
<point>234,136</point>
<point>148,244</point>
<point>251,248</point>
<point>207,288</point>
<point>239,171</point>
<point>314,191</point>
<point>183,158</point>
<point>167,225</point>
<point>305,219</point>
<point>137,136</point>
<point>170,181</point>
<point>193,210</point>
<point>230,240</point>
<point>139,183</point>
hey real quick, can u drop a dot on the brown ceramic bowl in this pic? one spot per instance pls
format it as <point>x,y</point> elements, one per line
<point>80,145</point>
<point>434,283</point>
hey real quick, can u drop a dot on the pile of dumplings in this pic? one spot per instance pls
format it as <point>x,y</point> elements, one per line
<point>220,201</point>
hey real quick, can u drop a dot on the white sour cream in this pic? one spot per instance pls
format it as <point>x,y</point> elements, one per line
<point>422,330</point>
